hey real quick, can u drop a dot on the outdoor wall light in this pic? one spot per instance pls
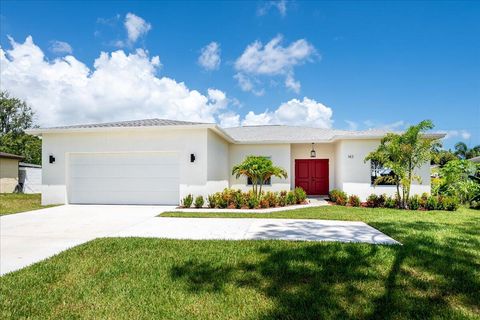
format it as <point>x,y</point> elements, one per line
<point>51,159</point>
<point>313,154</point>
<point>192,157</point>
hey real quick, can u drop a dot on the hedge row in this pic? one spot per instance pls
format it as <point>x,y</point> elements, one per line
<point>415,202</point>
<point>236,199</point>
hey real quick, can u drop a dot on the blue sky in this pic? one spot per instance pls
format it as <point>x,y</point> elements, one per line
<point>354,65</point>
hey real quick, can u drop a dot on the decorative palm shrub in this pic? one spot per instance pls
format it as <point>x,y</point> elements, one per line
<point>258,169</point>
<point>187,201</point>
<point>354,201</point>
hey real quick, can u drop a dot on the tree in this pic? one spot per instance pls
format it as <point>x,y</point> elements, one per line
<point>461,150</point>
<point>457,180</point>
<point>403,154</point>
<point>258,169</point>
<point>15,117</point>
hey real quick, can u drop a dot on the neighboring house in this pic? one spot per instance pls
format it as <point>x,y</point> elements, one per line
<point>9,172</point>
<point>475,159</point>
<point>30,177</point>
<point>160,161</point>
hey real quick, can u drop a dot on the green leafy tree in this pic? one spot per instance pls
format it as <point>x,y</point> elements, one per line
<point>258,169</point>
<point>403,154</point>
<point>456,180</point>
<point>15,117</point>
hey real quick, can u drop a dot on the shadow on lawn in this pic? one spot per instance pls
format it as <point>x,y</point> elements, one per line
<point>349,281</point>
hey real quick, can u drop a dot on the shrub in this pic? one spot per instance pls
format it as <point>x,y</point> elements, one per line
<point>431,203</point>
<point>376,201</point>
<point>264,203</point>
<point>300,195</point>
<point>187,201</point>
<point>199,202</point>
<point>450,203</point>
<point>423,200</point>
<point>282,199</point>
<point>341,199</point>
<point>354,201</point>
<point>220,200</point>
<point>291,199</point>
<point>372,201</point>
<point>475,205</point>
<point>252,202</point>
<point>440,203</point>
<point>272,198</point>
<point>391,203</point>
<point>333,194</point>
<point>414,202</point>
<point>238,199</point>
<point>212,201</point>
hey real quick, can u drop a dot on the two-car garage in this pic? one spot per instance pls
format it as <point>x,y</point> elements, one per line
<point>123,178</point>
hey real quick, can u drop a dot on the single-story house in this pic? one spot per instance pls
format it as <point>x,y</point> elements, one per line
<point>9,172</point>
<point>159,161</point>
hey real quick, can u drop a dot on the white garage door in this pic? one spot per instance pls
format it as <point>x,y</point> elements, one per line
<point>124,178</point>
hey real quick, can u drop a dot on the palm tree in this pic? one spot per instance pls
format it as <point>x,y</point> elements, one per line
<point>461,150</point>
<point>258,169</point>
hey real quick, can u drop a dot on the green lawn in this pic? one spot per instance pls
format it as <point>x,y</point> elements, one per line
<point>435,274</point>
<point>15,202</point>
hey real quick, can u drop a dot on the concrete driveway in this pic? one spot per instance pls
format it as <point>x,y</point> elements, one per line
<point>29,237</point>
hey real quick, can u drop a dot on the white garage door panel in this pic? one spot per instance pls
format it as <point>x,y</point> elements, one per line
<point>124,178</point>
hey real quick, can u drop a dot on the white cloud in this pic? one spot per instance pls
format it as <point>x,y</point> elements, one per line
<point>246,84</point>
<point>464,134</point>
<point>229,119</point>
<point>352,125</point>
<point>273,59</point>
<point>120,86</point>
<point>210,56</point>
<point>60,47</point>
<point>397,125</point>
<point>136,27</point>
<point>280,5</point>
<point>306,112</point>
<point>291,84</point>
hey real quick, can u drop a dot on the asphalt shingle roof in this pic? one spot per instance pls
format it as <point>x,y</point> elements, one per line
<point>131,123</point>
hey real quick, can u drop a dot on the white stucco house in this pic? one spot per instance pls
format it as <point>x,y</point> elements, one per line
<point>159,161</point>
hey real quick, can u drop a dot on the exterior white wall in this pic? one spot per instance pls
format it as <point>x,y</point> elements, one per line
<point>278,153</point>
<point>355,172</point>
<point>33,179</point>
<point>193,176</point>
<point>218,171</point>
<point>322,150</point>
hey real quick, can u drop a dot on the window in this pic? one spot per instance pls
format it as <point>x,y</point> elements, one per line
<point>377,170</point>
<point>268,182</point>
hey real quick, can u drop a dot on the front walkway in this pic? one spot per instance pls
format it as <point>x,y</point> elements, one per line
<point>256,229</point>
<point>29,237</point>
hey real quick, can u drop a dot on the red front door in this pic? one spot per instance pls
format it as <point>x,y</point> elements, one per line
<point>312,175</point>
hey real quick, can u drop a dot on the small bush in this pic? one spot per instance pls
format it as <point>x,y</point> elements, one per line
<point>300,195</point>
<point>239,199</point>
<point>187,201</point>
<point>291,199</point>
<point>272,198</point>
<point>212,201</point>
<point>341,199</point>
<point>475,205</point>
<point>264,203</point>
<point>414,202</point>
<point>333,194</point>
<point>354,201</point>
<point>432,203</point>
<point>440,203</point>
<point>199,202</point>
<point>282,199</point>
<point>391,203</point>
<point>372,200</point>
<point>252,202</point>
<point>423,201</point>
<point>450,203</point>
